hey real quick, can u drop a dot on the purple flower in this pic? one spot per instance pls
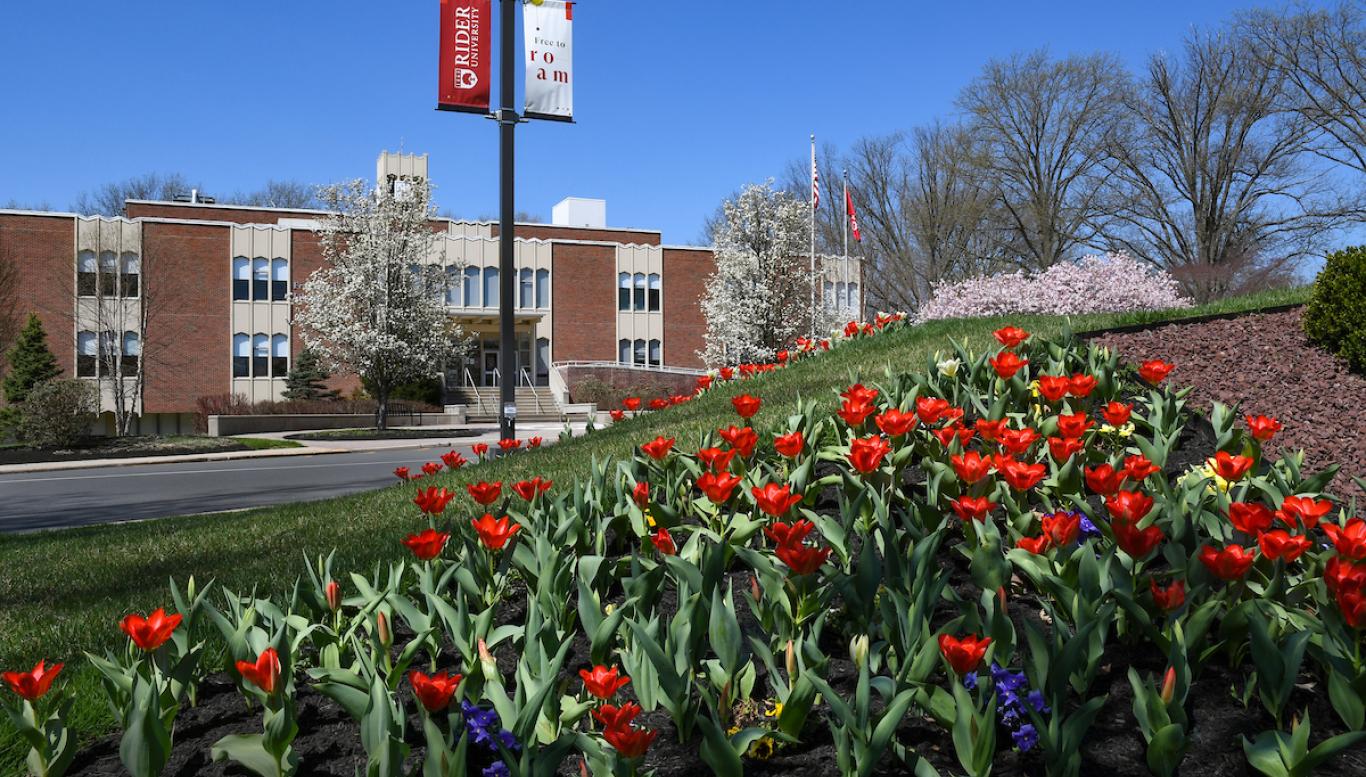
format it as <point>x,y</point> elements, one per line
<point>1088,529</point>
<point>498,769</point>
<point>1036,701</point>
<point>970,681</point>
<point>1025,737</point>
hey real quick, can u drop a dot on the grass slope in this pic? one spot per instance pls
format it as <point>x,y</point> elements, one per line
<point>63,592</point>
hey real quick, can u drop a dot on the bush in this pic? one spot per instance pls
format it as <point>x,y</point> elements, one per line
<point>58,413</point>
<point>1115,283</point>
<point>1336,316</point>
<point>237,404</point>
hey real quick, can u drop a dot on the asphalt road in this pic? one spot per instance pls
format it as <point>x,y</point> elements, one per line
<point>45,500</point>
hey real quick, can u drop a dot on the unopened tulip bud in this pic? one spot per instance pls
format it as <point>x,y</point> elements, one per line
<point>1001,594</point>
<point>333,592</point>
<point>382,630</point>
<point>791,660</point>
<point>487,664</point>
<point>858,650</point>
<point>754,589</point>
<point>1169,685</point>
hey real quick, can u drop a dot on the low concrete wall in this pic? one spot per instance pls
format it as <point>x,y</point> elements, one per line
<point>229,425</point>
<point>624,381</point>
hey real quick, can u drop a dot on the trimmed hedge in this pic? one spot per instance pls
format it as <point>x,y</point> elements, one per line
<point>1335,318</point>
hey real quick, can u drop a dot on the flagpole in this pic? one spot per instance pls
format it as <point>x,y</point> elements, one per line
<point>845,269</point>
<point>813,236</point>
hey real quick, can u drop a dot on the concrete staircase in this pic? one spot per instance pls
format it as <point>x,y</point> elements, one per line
<point>535,404</point>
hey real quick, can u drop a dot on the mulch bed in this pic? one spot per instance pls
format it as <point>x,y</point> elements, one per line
<point>119,448</point>
<point>1265,364</point>
<point>392,434</point>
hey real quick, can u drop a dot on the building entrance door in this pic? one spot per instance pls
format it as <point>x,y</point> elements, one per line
<point>490,364</point>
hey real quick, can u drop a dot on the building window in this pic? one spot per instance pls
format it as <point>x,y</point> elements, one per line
<point>132,349</point>
<point>853,296</point>
<point>841,296</point>
<point>639,352</point>
<point>654,292</point>
<point>453,285</point>
<point>491,287</point>
<point>109,274</point>
<point>624,351</point>
<point>542,288</point>
<point>87,274</point>
<point>624,291</point>
<point>656,359</point>
<point>130,272</point>
<point>472,287</point>
<point>260,356</point>
<point>260,279</point>
<point>525,287</point>
<point>639,299</point>
<point>279,355</point>
<point>542,361</point>
<point>241,355</point>
<point>87,354</point>
<point>279,280</point>
<point>829,295</point>
<point>109,354</point>
<point>241,278</point>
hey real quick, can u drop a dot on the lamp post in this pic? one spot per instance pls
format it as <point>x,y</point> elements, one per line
<point>507,122</point>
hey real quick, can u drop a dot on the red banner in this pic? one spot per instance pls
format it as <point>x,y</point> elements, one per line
<point>463,84</point>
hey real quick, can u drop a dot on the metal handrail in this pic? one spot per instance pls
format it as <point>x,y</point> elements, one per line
<point>626,366</point>
<point>525,374</point>
<point>478,397</point>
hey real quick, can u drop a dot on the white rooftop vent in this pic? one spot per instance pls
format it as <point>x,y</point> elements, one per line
<point>579,212</point>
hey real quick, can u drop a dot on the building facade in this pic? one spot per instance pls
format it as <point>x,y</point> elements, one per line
<point>181,300</point>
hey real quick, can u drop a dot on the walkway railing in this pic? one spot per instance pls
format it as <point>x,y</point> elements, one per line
<point>624,366</point>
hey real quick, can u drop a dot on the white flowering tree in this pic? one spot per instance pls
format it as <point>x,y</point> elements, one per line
<point>759,298</point>
<point>375,307</point>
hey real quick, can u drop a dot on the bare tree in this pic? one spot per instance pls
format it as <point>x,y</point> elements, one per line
<point>1216,180</point>
<point>1044,125</point>
<point>280,194</point>
<point>1320,56</point>
<point>9,290</point>
<point>108,199</point>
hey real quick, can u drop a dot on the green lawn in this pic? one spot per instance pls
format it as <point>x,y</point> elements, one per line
<point>265,443</point>
<point>63,592</point>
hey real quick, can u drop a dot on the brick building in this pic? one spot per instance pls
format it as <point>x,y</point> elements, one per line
<point>182,300</point>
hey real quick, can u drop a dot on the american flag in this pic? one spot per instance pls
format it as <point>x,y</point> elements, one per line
<point>815,179</point>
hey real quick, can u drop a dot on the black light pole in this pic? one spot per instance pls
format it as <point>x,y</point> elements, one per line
<point>507,121</point>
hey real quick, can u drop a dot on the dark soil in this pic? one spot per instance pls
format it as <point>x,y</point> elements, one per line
<point>122,448</point>
<point>1264,363</point>
<point>392,434</point>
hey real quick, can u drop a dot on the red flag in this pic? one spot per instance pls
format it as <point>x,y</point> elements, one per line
<point>853,216</point>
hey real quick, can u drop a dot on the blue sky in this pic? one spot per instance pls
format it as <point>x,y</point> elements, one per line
<point>677,104</point>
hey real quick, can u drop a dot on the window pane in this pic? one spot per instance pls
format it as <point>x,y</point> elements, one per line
<point>640,352</point>
<point>85,284</point>
<point>472,299</point>
<point>86,349</point>
<point>490,287</point>
<point>624,351</point>
<point>260,280</point>
<point>260,356</point>
<point>639,298</point>
<point>654,354</point>
<point>453,285</point>
<point>130,284</point>
<point>128,365</point>
<point>524,288</point>
<point>85,366</point>
<point>542,360</point>
<point>279,280</point>
<point>853,296</point>
<point>241,356</point>
<point>85,262</point>
<point>109,284</point>
<point>542,288</point>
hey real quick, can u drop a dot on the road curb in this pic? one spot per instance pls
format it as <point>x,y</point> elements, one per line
<point>131,461</point>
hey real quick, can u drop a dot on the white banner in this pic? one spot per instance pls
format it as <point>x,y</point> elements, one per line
<point>549,59</point>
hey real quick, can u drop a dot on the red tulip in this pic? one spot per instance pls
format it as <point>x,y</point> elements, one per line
<point>1017,441</point>
<point>627,740</point>
<point>1352,603</point>
<point>1129,506</point>
<point>1062,528</point>
<point>1249,518</point>
<point>453,460</point>
<point>974,508</point>
<point>658,403</point>
<point>658,448</point>
<point>1010,336</point>
<point>1231,467</point>
<point>1074,425</point>
<point>617,415</point>
<point>1350,540</point>
<point>963,653</point>
<point>480,449</point>
<point>1081,385</point>
<point>1007,363</point>
<point>529,489</point>
<point>507,445</point>
<point>1138,468</point>
<point>603,682</point>
<point>931,409</point>
<point>784,534</point>
<point>402,473</point>
<point>1155,370</point>
<point>1117,414</point>
<point>801,559</point>
<point>664,542</point>
<point>534,442</point>
<point>774,499</point>
<point>789,445</point>
<point>895,423</point>
<point>990,430</point>
<point>1036,545</point>
<point>434,691</point>
<point>332,593</point>
<point>1021,476</point>
<point>1104,480</point>
<point>715,459</point>
<point>431,468</point>
<point>745,405</point>
<point>1262,427</point>
<point>1054,387</point>
<point>1340,573</point>
<point>432,500</point>
<point>265,673</point>
<point>1281,544</point>
<point>1062,448</point>
<point>854,413</point>
<point>631,403</point>
<point>946,435</point>
<point>151,632</point>
<point>717,486</point>
<point>1138,543</point>
<point>427,544</point>
<point>704,381</point>
<point>970,467</point>
<point>494,533</point>
<point>1169,598</point>
<point>1303,509</point>
<point>35,683</point>
<point>860,393</point>
<point>485,493</point>
<point>742,439</point>
<point>640,494</point>
<point>1231,563</point>
<point>866,453</point>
